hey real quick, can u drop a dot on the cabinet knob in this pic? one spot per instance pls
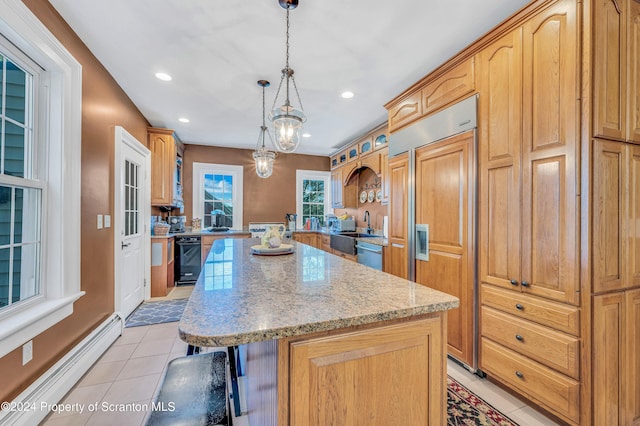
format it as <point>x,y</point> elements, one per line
<point>519,374</point>
<point>519,307</point>
<point>519,338</point>
<point>513,282</point>
<point>525,284</point>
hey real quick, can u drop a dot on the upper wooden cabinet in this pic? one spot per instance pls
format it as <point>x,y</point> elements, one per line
<point>433,95</point>
<point>342,196</point>
<point>405,111</point>
<point>616,91</point>
<point>384,175</point>
<point>499,160</point>
<point>528,200</point>
<point>166,168</point>
<point>550,213</point>
<point>616,214</point>
<point>449,87</point>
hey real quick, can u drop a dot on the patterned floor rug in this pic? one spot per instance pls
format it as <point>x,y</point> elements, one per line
<point>157,312</point>
<point>466,408</point>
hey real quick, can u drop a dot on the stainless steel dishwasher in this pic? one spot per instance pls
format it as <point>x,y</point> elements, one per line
<point>369,255</point>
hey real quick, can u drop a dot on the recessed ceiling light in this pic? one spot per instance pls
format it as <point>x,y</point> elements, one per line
<point>183,120</point>
<point>347,95</point>
<point>163,76</point>
<point>306,135</point>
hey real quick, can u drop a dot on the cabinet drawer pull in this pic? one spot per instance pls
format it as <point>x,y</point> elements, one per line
<point>525,284</point>
<point>513,282</point>
<point>519,338</point>
<point>519,307</point>
<point>519,374</point>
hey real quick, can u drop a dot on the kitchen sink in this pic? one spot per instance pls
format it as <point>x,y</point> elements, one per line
<point>346,241</point>
<point>357,235</point>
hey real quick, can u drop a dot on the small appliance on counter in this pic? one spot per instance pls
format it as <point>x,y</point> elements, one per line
<point>177,224</point>
<point>218,220</point>
<point>291,220</point>
<point>342,225</point>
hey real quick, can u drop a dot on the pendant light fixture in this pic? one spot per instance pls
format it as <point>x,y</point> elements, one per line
<point>287,120</point>
<point>263,157</point>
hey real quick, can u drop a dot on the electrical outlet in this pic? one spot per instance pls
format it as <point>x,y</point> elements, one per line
<point>107,221</point>
<point>27,352</point>
<point>99,221</point>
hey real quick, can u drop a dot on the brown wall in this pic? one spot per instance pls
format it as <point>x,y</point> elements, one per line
<point>104,105</point>
<point>376,210</point>
<point>264,200</point>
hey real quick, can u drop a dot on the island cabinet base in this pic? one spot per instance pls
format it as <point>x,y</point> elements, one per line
<point>393,372</point>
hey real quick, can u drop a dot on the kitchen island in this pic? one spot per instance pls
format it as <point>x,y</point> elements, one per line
<point>328,341</point>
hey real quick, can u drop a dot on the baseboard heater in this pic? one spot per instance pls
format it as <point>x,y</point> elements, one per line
<point>55,383</point>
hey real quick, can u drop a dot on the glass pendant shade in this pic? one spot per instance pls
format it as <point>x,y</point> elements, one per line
<point>264,162</point>
<point>287,126</point>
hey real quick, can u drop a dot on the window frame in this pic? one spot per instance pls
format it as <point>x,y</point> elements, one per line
<point>201,169</point>
<point>57,136</point>
<point>301,175</point>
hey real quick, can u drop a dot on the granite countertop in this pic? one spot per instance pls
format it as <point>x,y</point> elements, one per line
<point>243,298</point>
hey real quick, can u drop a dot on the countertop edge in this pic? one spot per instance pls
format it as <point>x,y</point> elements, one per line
<point>242,338</point>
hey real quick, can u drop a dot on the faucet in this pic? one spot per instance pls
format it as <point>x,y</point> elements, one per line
<point>367,217</point>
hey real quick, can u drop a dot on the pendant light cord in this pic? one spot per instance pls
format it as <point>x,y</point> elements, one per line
<point>287,73</point>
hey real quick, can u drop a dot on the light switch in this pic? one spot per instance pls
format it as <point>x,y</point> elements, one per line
<point>27,352</point>
<point>99,221</point>
<point>107,221</point>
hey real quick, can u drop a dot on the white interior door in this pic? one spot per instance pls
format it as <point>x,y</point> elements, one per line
<point>132,235</point>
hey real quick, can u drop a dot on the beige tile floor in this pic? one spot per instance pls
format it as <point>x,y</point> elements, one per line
<point>131,370</point>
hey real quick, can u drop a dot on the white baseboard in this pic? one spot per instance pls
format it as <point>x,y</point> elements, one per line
<point>55,383</point>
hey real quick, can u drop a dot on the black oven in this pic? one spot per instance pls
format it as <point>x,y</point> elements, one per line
<point>188,259</point>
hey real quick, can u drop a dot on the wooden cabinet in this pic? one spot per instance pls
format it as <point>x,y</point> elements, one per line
<point>398,249</point>
<point>325,243</point>
<point>557,392</point>
<point>351,257</point>
<point>449,87</point>
<point>166,168</point>
<point>206,242</point>
<point>616,358</point>
<point>616,223</point>
<point>405,111</point>
<point>384,176</point>
<point>528,210</point>
<point>309,238</point>
<point>616,38</point>
<point>162,265</point>
<point>341,378</point>
<point>528,165</point>
<point>342,196</point>
<point>549,179</point>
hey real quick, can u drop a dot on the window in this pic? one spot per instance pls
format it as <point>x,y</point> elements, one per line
<point>217,191</point>
<point>312,196</point>
<point>40,119</point>
<point>20,193</point>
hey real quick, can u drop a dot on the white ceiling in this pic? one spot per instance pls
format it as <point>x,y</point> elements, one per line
<point>216,51</point>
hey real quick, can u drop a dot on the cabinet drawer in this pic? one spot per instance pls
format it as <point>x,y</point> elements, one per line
<point>551,348</point>
<point>451,86</point>
<point>556,315</point>
<point>555,391</point>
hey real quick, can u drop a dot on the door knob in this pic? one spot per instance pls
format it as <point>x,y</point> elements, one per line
<point>125,245</point>
<point>525,284</point>
<point>519,338</point>
<point>513,282</point>
<point>519,374</point>
<point>519,307</point>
